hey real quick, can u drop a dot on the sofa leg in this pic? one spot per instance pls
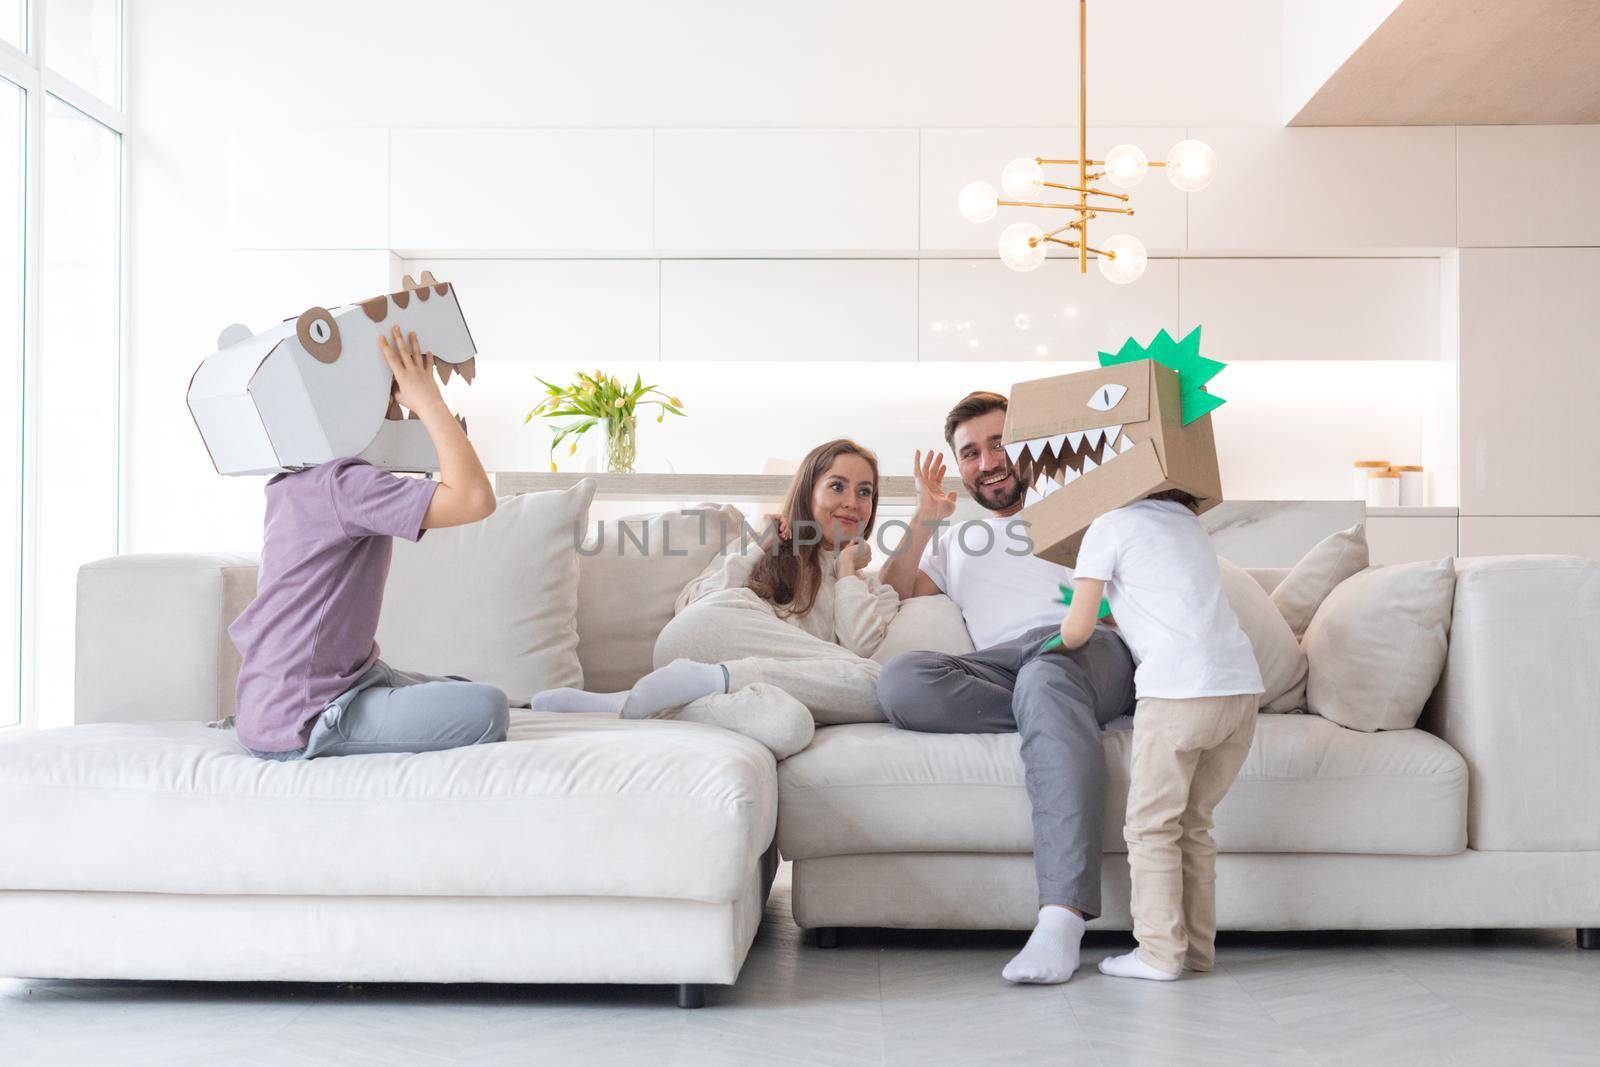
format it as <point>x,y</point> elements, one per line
<point>1589,937</point>
<point>691,995</point>
<point>827,937</point>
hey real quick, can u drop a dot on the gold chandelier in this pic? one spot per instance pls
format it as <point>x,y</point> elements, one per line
<point>1023,246</point>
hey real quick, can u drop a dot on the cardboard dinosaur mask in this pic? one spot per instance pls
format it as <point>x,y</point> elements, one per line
<point>315,388</point>
<point>1090,442</point>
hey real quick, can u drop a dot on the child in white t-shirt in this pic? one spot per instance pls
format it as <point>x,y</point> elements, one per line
<point>1197,685</point>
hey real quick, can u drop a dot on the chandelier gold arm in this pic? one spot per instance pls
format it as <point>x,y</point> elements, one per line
<point>1033,241</point>
<point>1090,208</point>
<point>1091,162</point>
<point>1079,189</point>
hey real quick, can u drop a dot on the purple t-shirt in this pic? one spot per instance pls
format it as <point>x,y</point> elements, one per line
<point>308,635</point>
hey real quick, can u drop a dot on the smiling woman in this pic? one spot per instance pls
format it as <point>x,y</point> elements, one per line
<point>791,607</point>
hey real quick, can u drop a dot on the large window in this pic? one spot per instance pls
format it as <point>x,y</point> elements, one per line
<point>13,183</point>
<point>61,289</point>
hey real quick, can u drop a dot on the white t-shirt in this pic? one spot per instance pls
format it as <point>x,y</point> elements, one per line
<point>1166,595</point>
<point>1002,588</point>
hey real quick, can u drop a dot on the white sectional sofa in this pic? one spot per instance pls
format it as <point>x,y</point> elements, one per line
<point>1486,815</point>
<point>141,843</point>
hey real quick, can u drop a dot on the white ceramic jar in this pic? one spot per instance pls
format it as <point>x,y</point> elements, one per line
<point>1362,468</point>
<point>1383,489</point>
<point>1412,492</point>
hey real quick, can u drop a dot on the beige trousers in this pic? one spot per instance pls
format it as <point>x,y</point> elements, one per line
<point>1186,754</point>
<point>738,629</point>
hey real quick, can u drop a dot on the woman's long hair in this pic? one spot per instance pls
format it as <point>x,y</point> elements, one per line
<point>788,575</point>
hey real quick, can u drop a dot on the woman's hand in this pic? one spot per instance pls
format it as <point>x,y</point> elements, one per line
<point>774,531</point>
<point>416,387</point>
<point>853,557</point>
<point>933,503</point>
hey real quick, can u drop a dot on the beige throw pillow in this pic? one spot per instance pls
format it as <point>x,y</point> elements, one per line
<point>926,624</point>
<point>1377,645</point>
<point>630,572</point>
<point>494,601</point>
<point>1304,588</point>
<point>1278,655</point>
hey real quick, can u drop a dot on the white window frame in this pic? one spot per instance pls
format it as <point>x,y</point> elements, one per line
<point>31,70</point>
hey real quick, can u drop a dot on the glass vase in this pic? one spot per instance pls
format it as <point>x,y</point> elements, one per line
<point>621,444</point>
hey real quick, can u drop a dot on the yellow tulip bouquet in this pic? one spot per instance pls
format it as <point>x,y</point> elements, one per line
<point>601,398</point>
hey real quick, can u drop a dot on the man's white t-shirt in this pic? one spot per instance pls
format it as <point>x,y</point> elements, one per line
<point>1166,595</point>
<point>1001,587</point>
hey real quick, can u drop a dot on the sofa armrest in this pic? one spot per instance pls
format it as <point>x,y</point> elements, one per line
<point>1520,700</point>
<point>152,636</point>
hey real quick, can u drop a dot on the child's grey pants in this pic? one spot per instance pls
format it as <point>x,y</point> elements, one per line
<point>398,711</point>
<point>1058,702</point>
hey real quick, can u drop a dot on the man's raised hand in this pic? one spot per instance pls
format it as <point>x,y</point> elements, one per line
<point>933,502</point>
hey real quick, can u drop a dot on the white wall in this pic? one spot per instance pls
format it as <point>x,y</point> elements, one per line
<point>202,75</point>
<point>1318,36</point>
<point>704,184</point>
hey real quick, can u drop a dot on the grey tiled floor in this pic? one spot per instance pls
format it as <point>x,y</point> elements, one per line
<point>882,997</point>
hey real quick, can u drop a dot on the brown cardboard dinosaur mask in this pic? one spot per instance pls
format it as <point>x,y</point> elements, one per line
<point>315,388</point>
<point>1087,443</point>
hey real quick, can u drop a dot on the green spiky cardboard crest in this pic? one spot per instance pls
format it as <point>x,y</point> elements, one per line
<point>1183,358</point>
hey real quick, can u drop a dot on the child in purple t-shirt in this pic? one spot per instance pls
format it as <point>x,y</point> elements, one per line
<point>311,683</point>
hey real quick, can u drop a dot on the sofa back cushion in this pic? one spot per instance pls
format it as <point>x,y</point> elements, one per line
<point>630,571</point>
<point>1377,645</point>
<point>494,601</point>
<point>926,624</point>
<point>1278,655</point>
<point>1336,557</point>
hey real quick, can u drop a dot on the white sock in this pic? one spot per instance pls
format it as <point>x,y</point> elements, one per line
<point>673,686</point>
<point>1051,954</point>
<point>1131,966</point>
<point>568,699</point>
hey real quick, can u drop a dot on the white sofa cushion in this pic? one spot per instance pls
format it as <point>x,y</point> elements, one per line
<point>630,573</point>
<point>926,624</point>
<point>1307,786</point>
<point>1377,645</point>
<point>494,601</point>
<point>571,805</point>
<point>1336,557</point>
<point>1278,655</point>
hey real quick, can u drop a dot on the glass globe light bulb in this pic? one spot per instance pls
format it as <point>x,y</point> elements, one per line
<point>978,202</point>
<point>1126,165</point>
<point>1129,260</point>
<point>1022,246</point>
<point>1022,179</point>
<point>1191,165</point>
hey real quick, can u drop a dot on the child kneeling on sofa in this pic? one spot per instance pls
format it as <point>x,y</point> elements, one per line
<point>1197,686</point>
<point>311,683</point>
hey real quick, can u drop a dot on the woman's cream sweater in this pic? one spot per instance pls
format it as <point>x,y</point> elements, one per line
<point>852,612</point>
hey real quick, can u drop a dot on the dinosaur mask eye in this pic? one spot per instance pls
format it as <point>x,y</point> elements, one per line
<point>1106,397</point>
<point>319,334</point>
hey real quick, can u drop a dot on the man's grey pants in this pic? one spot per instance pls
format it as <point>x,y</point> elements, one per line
<point>387,710</point>
<point>1058,702</point>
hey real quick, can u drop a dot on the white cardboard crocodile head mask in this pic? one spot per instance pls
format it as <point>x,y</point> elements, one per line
<point>315,388</point>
